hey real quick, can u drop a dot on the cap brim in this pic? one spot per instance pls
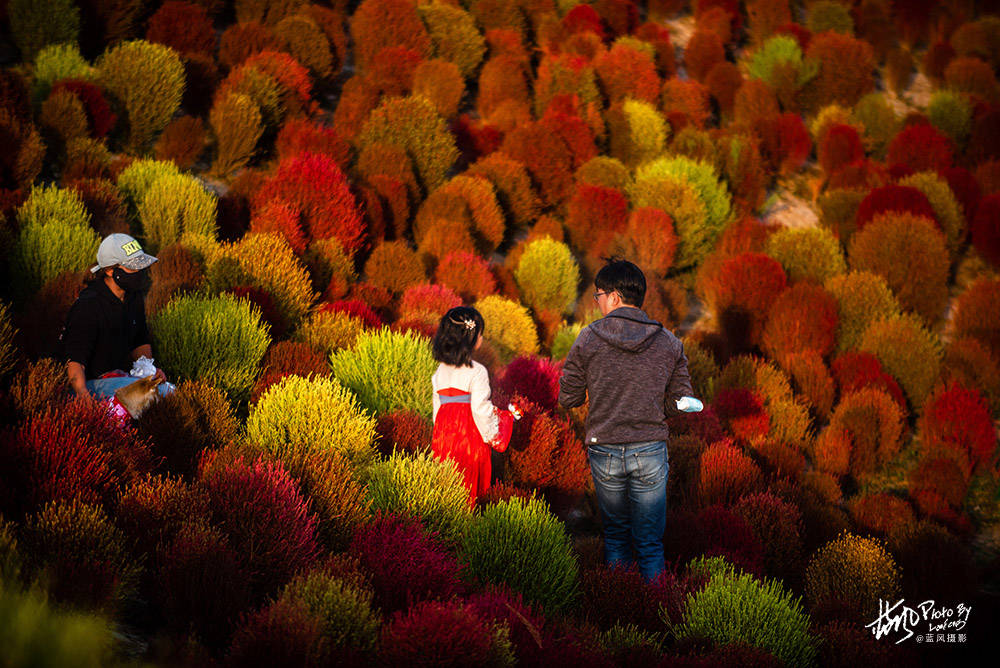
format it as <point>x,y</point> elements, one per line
<point>138,261</point>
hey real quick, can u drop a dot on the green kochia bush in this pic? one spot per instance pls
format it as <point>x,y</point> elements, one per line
<point>388,370</point>
<point>219,339</point>
<point>55,236</point>
<point>34,633</point>
<point>422,487</point>
<point>521,544</point>
<point>739,608</point>
<point>299,415</point>
<point>136,179</point>
<point>175,204</point>
<point>55,62</point>
<point>781,50</point>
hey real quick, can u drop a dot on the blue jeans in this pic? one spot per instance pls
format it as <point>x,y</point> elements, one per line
<point>631,484</point>
<point>103,388</point>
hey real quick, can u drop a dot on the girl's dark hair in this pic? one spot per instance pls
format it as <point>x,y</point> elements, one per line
<point>455,340</point>
<point>623,277</point>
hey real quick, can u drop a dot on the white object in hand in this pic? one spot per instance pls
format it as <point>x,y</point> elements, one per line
<point>689,405</point>
<point>142,367</point>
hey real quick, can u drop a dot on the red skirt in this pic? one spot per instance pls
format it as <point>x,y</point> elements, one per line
<point>456,437</point>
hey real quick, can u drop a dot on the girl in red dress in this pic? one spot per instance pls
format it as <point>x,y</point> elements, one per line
<point>466,423</point>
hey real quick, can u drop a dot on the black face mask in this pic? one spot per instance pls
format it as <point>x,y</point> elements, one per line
<point>137,282</point>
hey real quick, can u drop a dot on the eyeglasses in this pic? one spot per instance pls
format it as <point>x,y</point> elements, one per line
<point>598,294</point>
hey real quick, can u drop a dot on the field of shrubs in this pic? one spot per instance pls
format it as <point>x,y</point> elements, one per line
<point>812,188</point>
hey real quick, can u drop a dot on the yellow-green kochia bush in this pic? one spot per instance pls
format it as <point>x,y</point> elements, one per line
<point>519,543</point>
<point>148,81</point>
<point>175,204</point>
<point>548,276</point>
<point>297,416</point>
<point>55,62</point>
<point>509,327</point>
<point>388,370</point>
<point>34,24</point>
<point>218,339</point>
<point>136,179</point>
<point>424,488</point>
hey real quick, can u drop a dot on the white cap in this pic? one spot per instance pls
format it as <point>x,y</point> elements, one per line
<point>119,248</point>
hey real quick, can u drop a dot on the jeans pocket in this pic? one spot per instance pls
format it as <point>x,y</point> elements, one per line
<point>600,464</point>
<point>650,466</point>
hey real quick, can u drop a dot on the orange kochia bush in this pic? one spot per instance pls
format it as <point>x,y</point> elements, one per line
<point>802,319</point>
<point>845,71</point>
<point>749,282</point>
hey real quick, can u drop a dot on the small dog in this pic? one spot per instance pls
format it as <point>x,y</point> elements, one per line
<point>137,397</point>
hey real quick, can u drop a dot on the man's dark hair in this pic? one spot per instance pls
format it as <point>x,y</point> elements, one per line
<point>455,341</point>
<point>623,277</point>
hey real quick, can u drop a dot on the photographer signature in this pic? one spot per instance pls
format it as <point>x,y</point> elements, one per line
<point>902,618</point>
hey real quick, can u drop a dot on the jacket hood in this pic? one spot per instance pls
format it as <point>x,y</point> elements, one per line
<point>627,328</point>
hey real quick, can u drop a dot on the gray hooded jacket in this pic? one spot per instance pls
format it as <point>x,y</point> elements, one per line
<point>633,370</point>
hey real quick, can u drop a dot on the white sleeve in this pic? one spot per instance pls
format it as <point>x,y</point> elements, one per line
<point>483,412</point>
<point>435,398</point>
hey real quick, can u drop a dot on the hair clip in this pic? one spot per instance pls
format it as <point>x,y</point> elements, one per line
<point>470,324</point>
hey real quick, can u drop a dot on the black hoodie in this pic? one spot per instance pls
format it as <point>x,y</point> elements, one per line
<point>633,370</point>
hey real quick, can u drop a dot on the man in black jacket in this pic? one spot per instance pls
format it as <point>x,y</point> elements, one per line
<point>634,371</point>
<point>105,330</point>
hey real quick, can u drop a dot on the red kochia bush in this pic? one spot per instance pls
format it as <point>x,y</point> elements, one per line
<point>74,450</point>
<point>743,413</point>
<point>622,595</point>
<point>281,218</point>
<point>547,157</point>
<point>857,370</point>
<point>426,303</point>
<point>626,72</point>
<point>583,18</point>
<point>880,512</point>
<point>435,633</point>
<point>301,135</point>
<point>920,147</point>
<point>985,229</point>
<point>356,309</point>
<point>726,474</point>
<point>99,114</point>
<point>265,517</point>
<point>713,531</point>
<point>545,452</point>
<point>841,146</point>
<point>957,418</point>
<point>704,51</point>
<point>284,633</point>
<point>892,197</point>
<point>778,525</point>
<point>204,585</point>
<point>534,378</point>
<point>183,26</point>
<point>403,431</point>
<point>502,605</point>
<point>406,563</point>
<point>291,75</point>
<point>318,188</point>
<point>965,187</point>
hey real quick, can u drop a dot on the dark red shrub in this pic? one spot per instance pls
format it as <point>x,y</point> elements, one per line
<point>284,633</point>
<point>985,229</point>
<point>295,357</point>
<point>936,61</point>
<point>714,531</point>
<point>203,585</point>
<point>436,633</point>
<point>703,52</point>
<point>799,32</point>
<point>392,70</point>
<point>583,18</point>
<point>957,418</point>
<point>778,525</point>
<point>406,563</point>
<point>966,189</point>
<point>183,26</point>
<point>743,413</point>
<point>880,513</point>
<point>942,473</point>
<point>241,40</point>
<point>841,146</point>
<point>896,198</point>
<point>269,312</point>
<point>99,114</point>
<point>73,450</point>
<point>316,186</point>
<point>534,378</point>
<point>594,215</point>
<point>403,431</point>
<point>502,605</point>
<point>154,508</point>
<point>857,370</point>
<point>704,425</point>
<point>937,563</point>
<point>984,143</point>
<point>726,473</point>
<point>263,514</point>
<point>659,37</point>
<point>922,148</point>
<point>622,596</point>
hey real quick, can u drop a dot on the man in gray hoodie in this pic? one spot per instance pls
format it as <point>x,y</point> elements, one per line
<point>634,371</point>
